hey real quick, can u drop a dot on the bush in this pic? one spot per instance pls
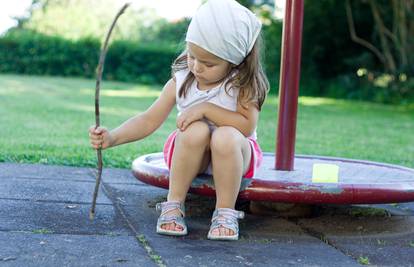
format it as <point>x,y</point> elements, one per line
<point>28,52</point>
<point>145,64</point>
<point>32,53</point>
<point>370,86</point>
<point>272,35</point>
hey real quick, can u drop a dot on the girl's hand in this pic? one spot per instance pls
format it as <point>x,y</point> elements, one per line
<point>191,115</point>
<point>100,137</point>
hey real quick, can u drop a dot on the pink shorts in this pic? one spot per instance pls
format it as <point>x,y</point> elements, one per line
<point>256,159</point>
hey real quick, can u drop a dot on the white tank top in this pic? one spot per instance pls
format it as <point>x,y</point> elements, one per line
<point>216,95</point>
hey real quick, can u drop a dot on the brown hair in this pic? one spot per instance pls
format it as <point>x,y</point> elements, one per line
<point>249,77</point>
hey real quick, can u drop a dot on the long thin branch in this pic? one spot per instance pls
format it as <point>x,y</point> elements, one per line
<point>395,4</point>
<point>99,71</point>
<point>357,39</point>
<point>403,26</point>
<point>392,36</point>
<point>384,41</point>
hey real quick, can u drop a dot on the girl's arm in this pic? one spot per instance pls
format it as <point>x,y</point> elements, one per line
<point>244,118</point>
<point>142,125</point>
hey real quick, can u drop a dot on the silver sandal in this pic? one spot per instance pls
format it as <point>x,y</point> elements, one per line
<point>227,218</point>
<point>165,207</point>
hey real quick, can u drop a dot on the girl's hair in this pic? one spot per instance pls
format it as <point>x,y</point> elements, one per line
<point>249,77</point>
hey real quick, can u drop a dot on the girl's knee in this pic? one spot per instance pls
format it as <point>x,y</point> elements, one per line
<point>225,139</point>
<point>196,134</point>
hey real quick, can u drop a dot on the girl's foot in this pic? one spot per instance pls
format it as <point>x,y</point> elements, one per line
<point>171,220</point>
<point>222,231</point>
<point>172,226</point>
<point>224,224</point>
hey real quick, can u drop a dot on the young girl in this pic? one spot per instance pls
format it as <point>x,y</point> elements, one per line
<point>219,87</point>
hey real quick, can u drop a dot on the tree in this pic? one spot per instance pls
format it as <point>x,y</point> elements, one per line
<point>392,43</point>
<point>396,41</point>
<point>75,19</point>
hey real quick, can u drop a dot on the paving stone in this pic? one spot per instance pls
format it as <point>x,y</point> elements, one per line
<point>385,241</point>
<point>381,250</point>
<point>60,218</point>
<point>24,249</point>
<point>50,190</point>
<point>39,171</point>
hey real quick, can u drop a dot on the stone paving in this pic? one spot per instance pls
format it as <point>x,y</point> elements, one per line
<point>44,222</point>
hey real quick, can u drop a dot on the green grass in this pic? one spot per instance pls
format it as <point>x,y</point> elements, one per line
<point>363,260</point>
<point>46,119</point>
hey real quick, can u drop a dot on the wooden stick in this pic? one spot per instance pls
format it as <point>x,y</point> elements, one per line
<point>99,70</point>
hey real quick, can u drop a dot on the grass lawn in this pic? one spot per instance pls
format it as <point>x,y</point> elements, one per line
<point>46,119</point>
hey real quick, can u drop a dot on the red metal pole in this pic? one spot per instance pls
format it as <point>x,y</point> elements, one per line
<point>289,85</point>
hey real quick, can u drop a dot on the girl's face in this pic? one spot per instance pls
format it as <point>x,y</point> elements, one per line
<point>208,69</point>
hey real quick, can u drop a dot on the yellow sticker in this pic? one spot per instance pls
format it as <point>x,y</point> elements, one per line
<point>325,173</point>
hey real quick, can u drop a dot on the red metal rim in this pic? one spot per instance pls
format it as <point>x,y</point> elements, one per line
<point>257,189</point>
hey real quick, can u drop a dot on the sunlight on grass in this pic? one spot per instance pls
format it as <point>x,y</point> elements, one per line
<point>117,111</point>
<point>307,101</point>
<point>76,106</point>
<point>134,92</point>
<point>316,101</point>
<point>13,87</point>
<point>121,111</point>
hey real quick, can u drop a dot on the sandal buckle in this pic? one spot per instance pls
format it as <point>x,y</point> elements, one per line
<point>158,207</point>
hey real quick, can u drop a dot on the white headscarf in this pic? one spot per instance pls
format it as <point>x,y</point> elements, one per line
<point>224,28</point>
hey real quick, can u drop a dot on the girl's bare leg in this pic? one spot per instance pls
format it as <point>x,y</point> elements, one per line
<point>231,154</point>
<point>191,156</point>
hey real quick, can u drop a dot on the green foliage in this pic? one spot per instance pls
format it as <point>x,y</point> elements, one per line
<point>272,36</point>
<point>376,87</point>
<point>327,48</point>
<point>166,32</point>
<point>145,64</point>
<point>332,62</point>
<point>33,53</point>
<point>87,19</point>
<point>91,19</point>
<point>46,44</point>
<point>25,51</point>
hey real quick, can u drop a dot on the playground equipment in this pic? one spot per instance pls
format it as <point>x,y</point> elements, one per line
<point>284,177</point>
